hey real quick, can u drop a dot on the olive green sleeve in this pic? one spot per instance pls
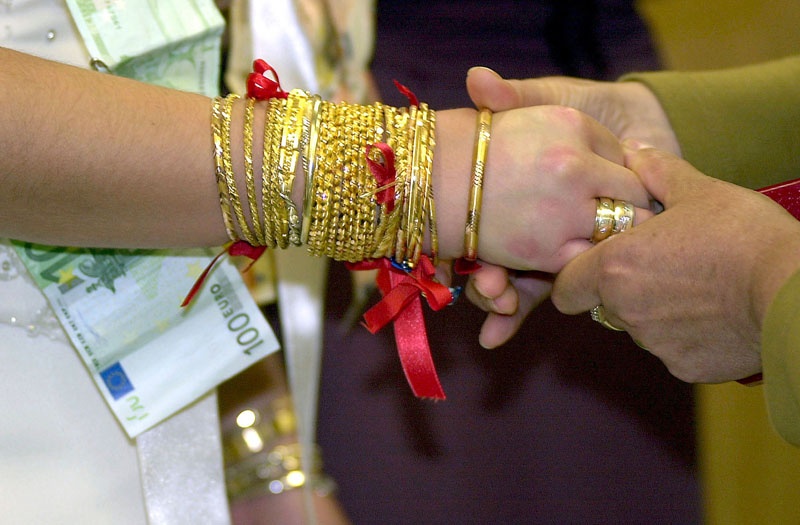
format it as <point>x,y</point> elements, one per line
<point>741,125</point>
<point>780,355</point>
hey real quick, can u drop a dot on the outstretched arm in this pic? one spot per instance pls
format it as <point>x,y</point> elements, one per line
<point>97,160</point>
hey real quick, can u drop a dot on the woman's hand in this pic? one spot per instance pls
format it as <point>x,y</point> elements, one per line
<point>545,166</point>
<point>693,284</point>
<point>628,109</point>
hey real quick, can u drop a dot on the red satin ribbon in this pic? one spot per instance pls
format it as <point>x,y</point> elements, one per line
<point>261,87</point>
<point>412,98</point>
<point>384,174</point>
<point>402,303</point>
<point>233,248</point>
<point>464,266</point>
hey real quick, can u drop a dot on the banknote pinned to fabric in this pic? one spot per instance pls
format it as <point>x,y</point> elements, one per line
<point>121,310</point>
<point>174,44</point>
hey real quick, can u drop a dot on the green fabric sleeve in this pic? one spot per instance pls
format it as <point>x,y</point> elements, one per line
<point>780,354</point>
<point>741,125</point>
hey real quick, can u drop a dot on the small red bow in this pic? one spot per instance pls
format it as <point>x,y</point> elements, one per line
<point>384,173</point>
<point>261,87</point>
<point>402,304</point>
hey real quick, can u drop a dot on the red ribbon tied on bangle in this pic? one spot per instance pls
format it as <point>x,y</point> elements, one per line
<point>384,173</point>
<point>261,87</point>
<point>402,303</point>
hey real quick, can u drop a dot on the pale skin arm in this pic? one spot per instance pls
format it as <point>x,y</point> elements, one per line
<point>98,160</point>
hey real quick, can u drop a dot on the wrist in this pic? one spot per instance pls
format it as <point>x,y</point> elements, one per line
<point>651,121</point>
<point>452,168</point>
<point>776,265</point>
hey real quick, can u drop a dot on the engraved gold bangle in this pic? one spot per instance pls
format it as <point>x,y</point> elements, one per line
<point>249,171</point>
<point>219,165</point>
<point>480,152</point>
<point>310,164</point>
<point>230,178</point>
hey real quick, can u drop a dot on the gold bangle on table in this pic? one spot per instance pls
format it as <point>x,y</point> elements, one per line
<point>479,154</point>
<point>598,314</point>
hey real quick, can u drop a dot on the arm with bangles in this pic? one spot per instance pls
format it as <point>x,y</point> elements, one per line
<point>96,160</point>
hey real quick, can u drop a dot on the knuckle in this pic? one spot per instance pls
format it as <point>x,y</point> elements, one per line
<point>560,160</point>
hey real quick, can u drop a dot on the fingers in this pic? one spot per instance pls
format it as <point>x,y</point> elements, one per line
<point>666,177</point>
<point>490,289</point>
<point>532,289</point>
<point>575,289</point>
<point>489,90</point>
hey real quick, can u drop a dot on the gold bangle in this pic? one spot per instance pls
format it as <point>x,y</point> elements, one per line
<point>310,164</point>
<point>230,178</point>
<point>289,153</point>
<point>249,171</point>
<point>219,165</point>
<point>271,202</point>
<point>480,152</point>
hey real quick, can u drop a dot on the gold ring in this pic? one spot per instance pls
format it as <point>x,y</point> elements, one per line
<point>623,216</point>
<point>598,314</point>
<point>603,220</point>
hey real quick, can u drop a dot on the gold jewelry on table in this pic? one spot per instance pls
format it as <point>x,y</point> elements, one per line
<point>603,220</point>
<point>479,155</point>
<point>623,216</point>
<point>598,314</point>
<point>257,461</point>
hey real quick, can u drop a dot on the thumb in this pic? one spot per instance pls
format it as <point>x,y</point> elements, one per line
<point>489,90</point>
<point>666,177</point>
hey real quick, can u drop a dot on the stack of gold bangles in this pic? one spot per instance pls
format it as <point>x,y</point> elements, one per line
<point>325,144</point>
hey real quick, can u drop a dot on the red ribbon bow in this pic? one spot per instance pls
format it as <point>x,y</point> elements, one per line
<point>261,87</point>
<point>402,304</point>
<point>384,174</point>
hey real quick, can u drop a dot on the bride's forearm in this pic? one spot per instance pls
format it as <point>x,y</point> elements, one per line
<point>93,159</point>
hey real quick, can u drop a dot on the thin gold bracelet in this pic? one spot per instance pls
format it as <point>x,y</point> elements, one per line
<point>219,165</point>
<point>249,171</point>
<point>480,152</point>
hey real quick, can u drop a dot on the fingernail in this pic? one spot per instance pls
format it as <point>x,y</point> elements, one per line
<point>635,145</point>
<point>484,68</point>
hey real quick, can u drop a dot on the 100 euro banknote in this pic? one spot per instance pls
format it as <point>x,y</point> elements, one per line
<point>148,356</point>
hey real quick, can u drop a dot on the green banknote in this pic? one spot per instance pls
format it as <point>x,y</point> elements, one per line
<point>148,356</point>
<point>173,43</point>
